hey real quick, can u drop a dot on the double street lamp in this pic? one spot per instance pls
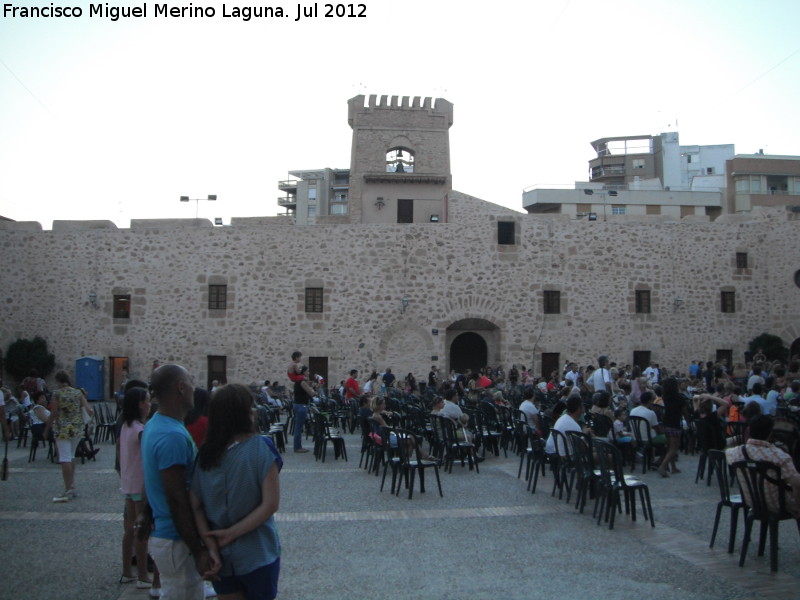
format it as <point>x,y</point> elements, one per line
<point>612,193</point>
<point>211,198</point>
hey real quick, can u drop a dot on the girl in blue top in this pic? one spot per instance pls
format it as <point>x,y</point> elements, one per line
<point>235,494</point>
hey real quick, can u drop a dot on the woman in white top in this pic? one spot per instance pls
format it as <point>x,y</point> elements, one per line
<point>38,416</point>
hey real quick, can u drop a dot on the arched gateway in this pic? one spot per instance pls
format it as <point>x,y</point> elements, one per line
<point>472,344</point>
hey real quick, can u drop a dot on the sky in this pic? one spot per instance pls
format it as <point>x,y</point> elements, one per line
<point>116,120</point>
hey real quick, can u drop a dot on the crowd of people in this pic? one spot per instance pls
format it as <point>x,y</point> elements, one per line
<point>201,487</point>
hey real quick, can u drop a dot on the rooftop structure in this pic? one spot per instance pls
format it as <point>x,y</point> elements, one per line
<point>642,175</point>
<point>762,180</point>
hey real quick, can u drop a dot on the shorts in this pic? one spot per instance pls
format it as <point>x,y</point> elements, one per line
<point>672,432</point>
<point>66,449</point>
<point>261,584</point>
<point>179,577</point>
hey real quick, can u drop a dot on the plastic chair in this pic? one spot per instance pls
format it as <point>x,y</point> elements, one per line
<point>324,434</point>
<point>562,465</point>
<point>36,437</point>
<point>702,436</point>
<point>753,476</point>
<point>537,460</point>
<point>366,442</point>
<point>391,456</point>
<point>587,475</point>
<point>614,482</point>
<point>602,425</point>
<point>718,464</point>
<point>410,462</point>
<point>644,440</point>
<point>454,448</point>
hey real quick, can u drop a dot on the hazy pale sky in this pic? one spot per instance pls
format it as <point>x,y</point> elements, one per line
<point>117,120</point>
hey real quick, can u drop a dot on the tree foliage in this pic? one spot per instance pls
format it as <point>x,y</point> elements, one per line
<point>25,356</point>
<point>771,345</point>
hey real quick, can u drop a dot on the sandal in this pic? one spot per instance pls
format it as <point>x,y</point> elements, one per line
<point>127,579</point>
<point>663,473</point>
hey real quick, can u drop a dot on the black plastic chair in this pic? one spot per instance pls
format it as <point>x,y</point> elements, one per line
<point>410,462</point>
<point>587,474</point>
<point>324,434</point>
<point>36,438</point>
<point>614,482</point>
<point>602,425</point>
<point>488,426</point>
<point>644,440</point>
<point>391,456</point>
<point>718,464</point>
<point>562,465</point>
<point>736,433</point>
<point>702,436</point>
<point>366,442</point>
<point>537,461</point>
<point>454,448</point>
<point>753,476</point>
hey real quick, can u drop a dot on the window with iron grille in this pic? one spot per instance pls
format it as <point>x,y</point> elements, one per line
<point>314,300</point>
<point>741,260</point>
<point>122,306</point>
<point>642,301</point>
<point>505,233</point>
<point>552,302</point>
<point>728,302</point>
<point>217,297</point>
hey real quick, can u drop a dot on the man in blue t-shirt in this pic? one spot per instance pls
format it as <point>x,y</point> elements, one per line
<point>168,454</point>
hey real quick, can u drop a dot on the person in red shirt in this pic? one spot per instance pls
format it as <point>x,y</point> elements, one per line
<point>351,388</point>
<point>295,373</point>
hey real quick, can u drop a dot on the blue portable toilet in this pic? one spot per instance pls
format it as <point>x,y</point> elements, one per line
<point>90,375</point>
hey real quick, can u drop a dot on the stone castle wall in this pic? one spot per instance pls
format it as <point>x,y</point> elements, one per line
<point>450,272</point>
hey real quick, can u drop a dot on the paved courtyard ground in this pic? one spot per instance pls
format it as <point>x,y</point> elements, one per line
<point>342,538</point>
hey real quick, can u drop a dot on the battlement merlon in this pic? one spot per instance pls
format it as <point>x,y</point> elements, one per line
<point>439,106</point>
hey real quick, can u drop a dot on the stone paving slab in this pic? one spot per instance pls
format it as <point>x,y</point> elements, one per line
<point>342,538</point>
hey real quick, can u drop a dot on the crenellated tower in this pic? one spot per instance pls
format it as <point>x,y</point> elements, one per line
<point>400,159</point>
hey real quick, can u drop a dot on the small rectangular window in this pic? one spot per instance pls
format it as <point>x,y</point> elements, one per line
<point>728,302</point>
<point>642,301</point>
<point>551,302</point>
<point>741,260</point>
<point>505,233</point>
<point>653,209</point>
<point>618,209</point>
<point>122,306</point>
<point>638,163</point>
<point>314,300</point>
<point>405,211</point>
<point>217,297</point>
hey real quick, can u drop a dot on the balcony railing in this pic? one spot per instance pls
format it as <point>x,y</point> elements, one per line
<point>608,172</point>
<point>289,184</point>
<point>287,201</point>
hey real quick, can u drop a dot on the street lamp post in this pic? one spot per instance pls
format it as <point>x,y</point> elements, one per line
<point>211,198</point>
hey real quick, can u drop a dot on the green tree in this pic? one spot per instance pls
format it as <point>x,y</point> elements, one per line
<point>24,356</point>
<point>771,345</point>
